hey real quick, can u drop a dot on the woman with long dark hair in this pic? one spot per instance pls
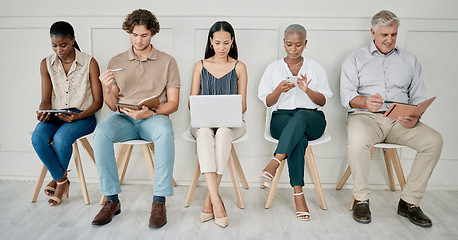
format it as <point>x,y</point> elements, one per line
<point>220,73</point>
<point>69,82</point>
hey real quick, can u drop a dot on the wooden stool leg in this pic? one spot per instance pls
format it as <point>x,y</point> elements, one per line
<point>389,169</point>
<point>125,163</point>
<point>79,169</point>
<point>316,178</point>
<point>235,182</point>
<point>372,151</point>
<point>397,166</point>
<point>192,186</point>
<point>344,178</point>
<point>87,146</point>
<point>40,181</point>
<point>239,169</point>
<point>352,203</point>
<point>273,187</point>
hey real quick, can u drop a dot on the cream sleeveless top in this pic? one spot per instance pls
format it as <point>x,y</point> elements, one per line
<point>74,89</point>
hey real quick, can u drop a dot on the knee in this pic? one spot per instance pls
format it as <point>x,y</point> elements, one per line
<point>434,142</point>
<point>358,141</point>
<point>165,133</point>
<point>301,115</point>
<point>61,141</point>
<point>204,133</point>
<point>223,133</point>
<point>102,132</point>
<point>38,139</point>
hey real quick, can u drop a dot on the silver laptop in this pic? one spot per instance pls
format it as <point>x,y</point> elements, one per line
<point>216,110</point>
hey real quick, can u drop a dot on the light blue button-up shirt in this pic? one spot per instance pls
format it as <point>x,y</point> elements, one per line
<point>396,76</point>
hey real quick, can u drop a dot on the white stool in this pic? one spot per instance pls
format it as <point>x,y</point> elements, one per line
<point>235,169</point>
<point>391,160</point>
<point>79,168</point>
<point>310,162</point>
<point>123,157</point>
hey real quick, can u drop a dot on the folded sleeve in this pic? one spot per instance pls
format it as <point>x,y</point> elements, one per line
<point>266,85</point>
<point>173,75</point>
<point>417,89</point>
<point>349,81</point>
<point>323,83</point>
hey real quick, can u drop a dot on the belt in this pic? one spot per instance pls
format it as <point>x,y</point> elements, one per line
<point>382,112</point>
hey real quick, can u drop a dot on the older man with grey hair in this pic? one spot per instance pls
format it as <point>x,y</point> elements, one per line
<point>372,76</point>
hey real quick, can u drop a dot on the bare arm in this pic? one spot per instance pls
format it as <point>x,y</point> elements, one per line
<point>316,97</point>
<point>284,86</point>
<point>242,83</point>
<point>46,93</point>
<point>173,99</point>
<point>195,85</point>
<point>110,88</point>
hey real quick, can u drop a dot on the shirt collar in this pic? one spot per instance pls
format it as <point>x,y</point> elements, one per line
<point>373,48</point>
<point>152,54</point>
<point>77,58</point>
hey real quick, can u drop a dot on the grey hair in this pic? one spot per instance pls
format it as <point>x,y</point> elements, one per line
<point>296,28</point>
<point>384,18</point>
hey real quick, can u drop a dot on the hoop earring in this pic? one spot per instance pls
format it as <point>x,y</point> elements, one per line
<point>232,46</point>
<point>211,46</point>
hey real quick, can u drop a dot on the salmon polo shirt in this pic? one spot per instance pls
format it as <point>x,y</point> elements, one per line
<point>144,78</point>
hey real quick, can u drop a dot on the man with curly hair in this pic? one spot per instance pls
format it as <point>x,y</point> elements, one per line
<point>146,72</point>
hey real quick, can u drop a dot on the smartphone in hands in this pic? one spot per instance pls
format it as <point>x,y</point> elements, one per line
<point>291,80</point>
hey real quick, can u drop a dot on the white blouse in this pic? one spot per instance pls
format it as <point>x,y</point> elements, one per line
<point>294,98</point>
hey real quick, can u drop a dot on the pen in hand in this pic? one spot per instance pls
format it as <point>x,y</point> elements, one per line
<point>117,69</point>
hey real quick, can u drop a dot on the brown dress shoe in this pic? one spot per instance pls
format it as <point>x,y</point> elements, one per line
<point>105,215</point>
<point>158,216</point>
<point>361,211</point>
<point>414,213</point>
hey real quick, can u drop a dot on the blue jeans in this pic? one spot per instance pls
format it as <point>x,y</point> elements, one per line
<point>53,141</point>
<point>118,127</point>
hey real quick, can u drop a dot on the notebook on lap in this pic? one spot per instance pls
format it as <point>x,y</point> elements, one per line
<point>216,110</point>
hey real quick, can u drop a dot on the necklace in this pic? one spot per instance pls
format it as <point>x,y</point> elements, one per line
<point>67,62</point>
<point>289,64</point>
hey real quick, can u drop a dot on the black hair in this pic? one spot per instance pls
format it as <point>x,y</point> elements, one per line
<point>221,26</point>
<point>63,29</point>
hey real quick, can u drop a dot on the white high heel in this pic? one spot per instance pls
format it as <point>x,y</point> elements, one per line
<point>266,177</point>
<point>303,216</point>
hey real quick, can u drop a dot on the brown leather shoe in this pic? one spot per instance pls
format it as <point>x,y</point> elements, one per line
<point>414,213</point>
<point>361,211</point>
<point>158,216</point>
<point>105,215</point>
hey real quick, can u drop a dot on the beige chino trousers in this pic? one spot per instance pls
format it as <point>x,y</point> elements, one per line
<point>364,129</point>
<point>214,146</point>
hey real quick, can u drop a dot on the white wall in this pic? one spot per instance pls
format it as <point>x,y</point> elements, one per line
<point>428,28</point>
